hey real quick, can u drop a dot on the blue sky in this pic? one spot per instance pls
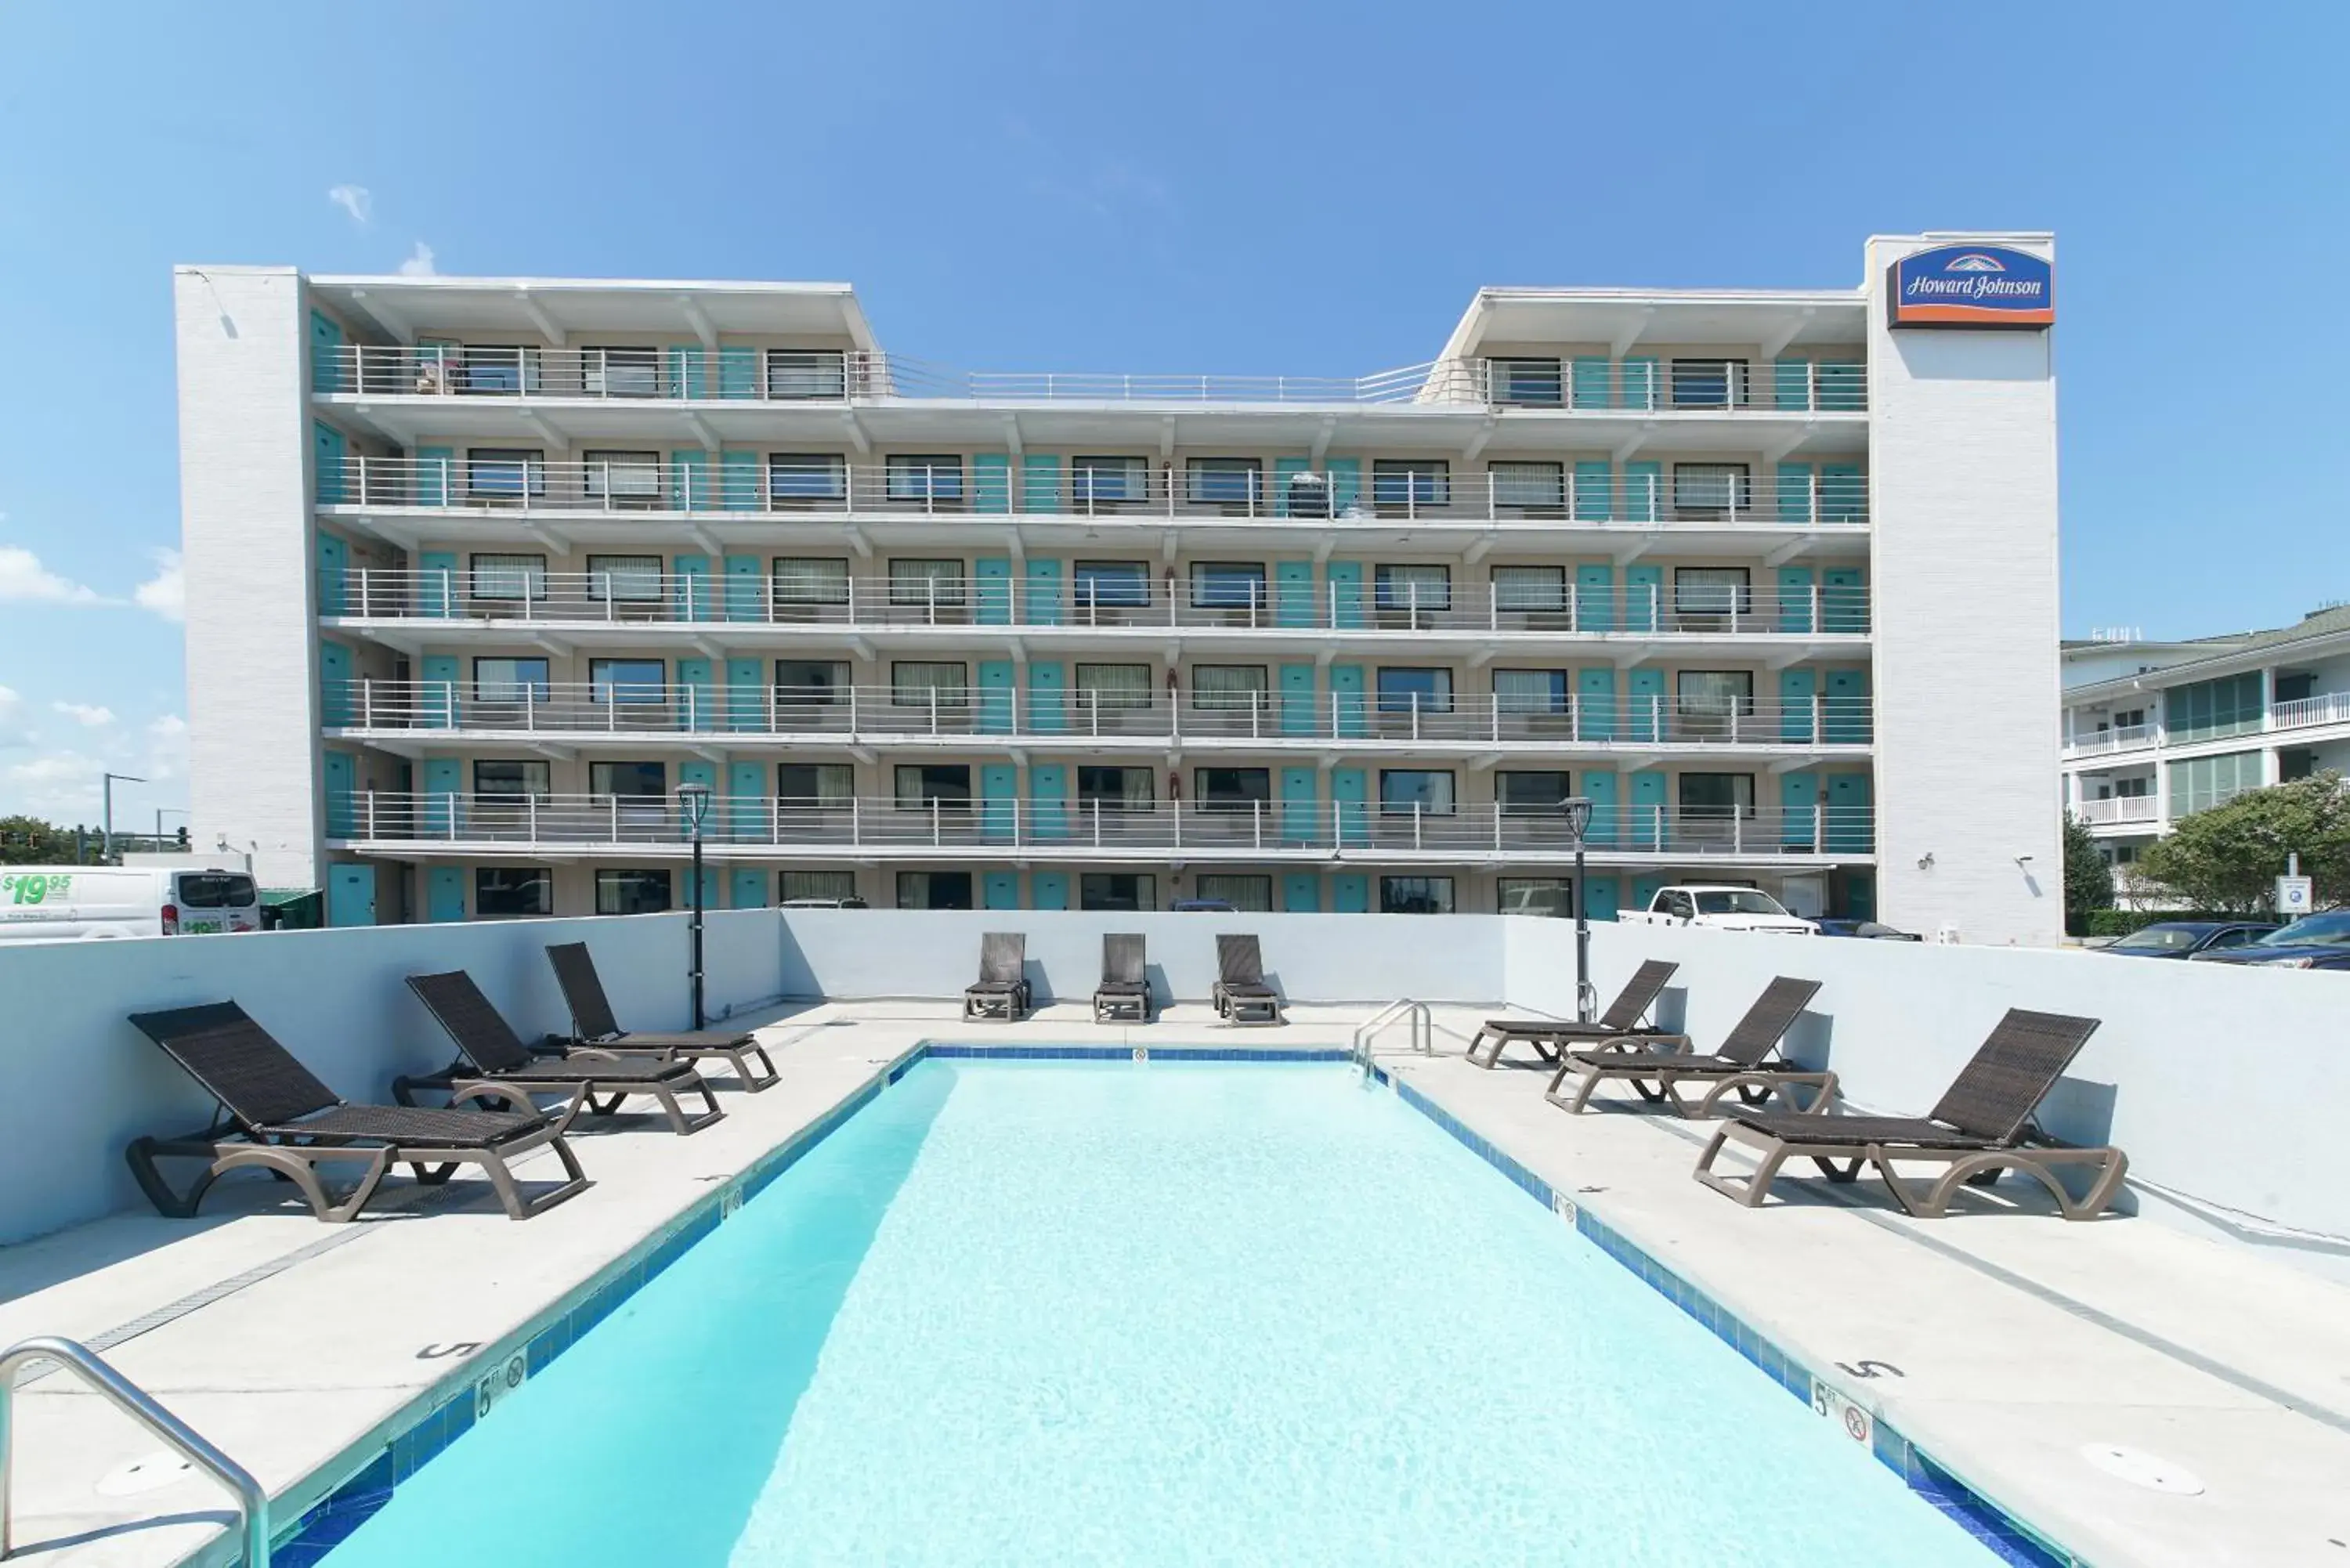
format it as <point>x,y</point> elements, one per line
<point>1238,188</point>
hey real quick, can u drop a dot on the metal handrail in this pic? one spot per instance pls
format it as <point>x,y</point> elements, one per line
<point>253,1503</point>
<point>1423,1029</point>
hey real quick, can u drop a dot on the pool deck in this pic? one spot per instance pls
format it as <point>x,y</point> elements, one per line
<point>2000,1342</point>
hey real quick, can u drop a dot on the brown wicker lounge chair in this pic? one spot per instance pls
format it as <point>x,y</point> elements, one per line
<point>489,1051</point>
<point>1747,1063</point>
<point>1001,991</point>
<point>1552,1036</point>
<point>276,1116</point>
<point>1124,995</point>
<point>592,1024</point>
<point>1240,994</point>
<point>1977,1129</point>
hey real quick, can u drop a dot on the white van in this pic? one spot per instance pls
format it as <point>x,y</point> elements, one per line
<point>68,902</point>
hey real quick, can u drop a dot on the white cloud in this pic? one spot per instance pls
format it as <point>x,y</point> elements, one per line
<point>13,732</point>
<point>89,716</point>
<point>419,263</point>
<point>165,593</point>
<point>24,579</point>
<point>61,786</point>
<point>356,200</point>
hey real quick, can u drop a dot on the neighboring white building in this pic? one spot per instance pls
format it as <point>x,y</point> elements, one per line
<point>480,571</point>
<point>2155,730</point>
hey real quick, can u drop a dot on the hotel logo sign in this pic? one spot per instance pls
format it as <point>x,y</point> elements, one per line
<point>1972,286</point>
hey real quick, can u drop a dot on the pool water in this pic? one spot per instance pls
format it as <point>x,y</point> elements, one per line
<point>1017,1313</point>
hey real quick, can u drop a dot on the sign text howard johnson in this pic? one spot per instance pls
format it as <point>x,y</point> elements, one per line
<point>1972,286</point>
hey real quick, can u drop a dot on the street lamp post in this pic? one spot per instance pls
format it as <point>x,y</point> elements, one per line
<point>1577,810</point>
<point>693,803</point>
<point>106,784</point>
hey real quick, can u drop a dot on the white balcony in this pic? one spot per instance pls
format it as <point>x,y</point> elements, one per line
<point>2118,811</point>
<point>2104,743</point>
<point>2304,713</point>
<point>2296,713</point>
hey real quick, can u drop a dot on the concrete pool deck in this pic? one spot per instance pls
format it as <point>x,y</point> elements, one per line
<point>2001,1344</point>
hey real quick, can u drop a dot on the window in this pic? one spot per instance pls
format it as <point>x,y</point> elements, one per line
<point>508,576</point>
<point>1708,700</point>
<point>1116,789</point>
<point>216,890</point>
<point>1228,687</point>
<point>1550,896</point>
<point>632,781</point>
<point>1415,895</point>
<point>2205,781</point>
<point>927,480</point>
<point>1711,591</point>
<point>622,475</point>
<point>620,372</point>
<point>1113,585</point>
<point>514,780</point>
<point>934,889</point>
<point>815,785</point>
<point>2295,763</point>
<point>804,477</point>
<point>1711,489</point>
<point>1534,794</point>
<point>2229,706</point>
<point>921,784</point>
<point>1250,894</point>
<point>1108,481</point>
<point>1530,590</point>
<point>510,892</point>
<point>504,474</point>
<point>805,683</point>
<point>1535,486</point>
<point>2128,719</point>
<point>1716,796</point>
<point>1415,792</point>
<point>802,581</point>
<point>1412,589</point>
<point>1231,789</point>
<point>791,885</point>
<point>1410,484</point>
<point>628,681</point>
<point>1228,585</point>
<point>2124,854</point>
<point>510,679</point>
<point>1233,483</point>
<point>1414,691</point>
<point>499,369</point>
<point>1531,691</point>
<point>1102,688</point>
<point>1708,383</point>
<point>806,373</point>
<point>624,579</point>
<point>2132,789</point>
<point>631,892</point>
<point>918,684</point>
<point>1123,891</point>
<point>928,584</point>
<point>1527,383</point>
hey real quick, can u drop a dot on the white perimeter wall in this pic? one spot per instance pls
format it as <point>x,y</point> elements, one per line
<point>2225,1085</point>
<point>82,1083</point>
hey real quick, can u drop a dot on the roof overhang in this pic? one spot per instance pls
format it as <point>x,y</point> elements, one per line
<point>1624,317</point>
<point>560,307</point>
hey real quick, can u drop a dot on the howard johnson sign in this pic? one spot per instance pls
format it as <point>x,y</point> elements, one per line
<point>1972,286</point>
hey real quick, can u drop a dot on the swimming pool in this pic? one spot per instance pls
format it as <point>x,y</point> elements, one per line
<point>1173,1314</point>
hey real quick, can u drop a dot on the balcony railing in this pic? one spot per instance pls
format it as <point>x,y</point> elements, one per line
<point>813,488</point>
<point>1700,385</point>
<point>2101,742</point>
<point>641,594</point>
<point>2300,712</point>
<point>850,714</point>
<point>2294,714</point>
<point>2120,809</point>
<point>1088,828</point>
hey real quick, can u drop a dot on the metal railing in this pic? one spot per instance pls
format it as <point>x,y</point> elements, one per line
<point>2300,712</point>
<point>850,714</point>
<point>2125,738</point>
<point>2293,714</point>
<point>488,479</point>
<point>252,1502</point>
<point>2119,809</point>
<point>1423,1030</point>
<point>507,588</point>
<point>852,824</point>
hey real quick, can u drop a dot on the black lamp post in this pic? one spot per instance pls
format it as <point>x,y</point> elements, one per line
<point>694,804</point>
<point>1577,809</point>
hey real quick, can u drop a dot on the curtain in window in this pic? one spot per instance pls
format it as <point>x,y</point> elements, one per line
<point>1405,790</point>
<point>1711,487</point>
<point>1249,895</point>
<point>916,683</point>
<point>926,582</point>
<point>1414,588</point>
<point>1529,483</point>
<point>1716,693</point>
<point>806,476</point>
<point>1529,589</point>
<point>1530,690</point>
<point>633,579</point>
<point>632,474</point>
<point>1227,686</point>
<point>1115,686</point>
<point>509,576</point>
<point>801,581</point>
<point>815,885</point>
<point>1710,590</point>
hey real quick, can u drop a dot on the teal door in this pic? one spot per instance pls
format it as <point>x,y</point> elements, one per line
<point>696,696</point>
<point>1346,483</point>
<point>444,780</point>
<point>334,562</point>
<point>999,800</point>
<point>689,592</point>
<point>342,796</point>
<point>436,585</point>
<point>1846,719</point>
<point>1644,489</point>
<point>1040,482</point>
<point>1643,890</point>
<point>738,481</point>
<point>1051,890</point>
<point>1858,889</point>
<point>1795,600</point>
<point>1594,704</point>
<point>1644,598</point>
<point>1640,383</point>
<point>1643,705</point>
<point>1600,788</point>
<point>1599,898</point>
<point>1595,492</point>
<point>1844,492</point>
<point>991,474</point>
<point>437,702</point>
<point>1844,602</point>
<point>689,469</point>
<point>688,372</point>
<point>1348,714</point>
<point>1048,699</point>
<point>995,697</point>
<point>1297,803</point>
<point>1297,700</point>
<point>1351,893</point>
<point>1646,830</point>
<point>1791,385</point>
<point>1000,890</point>
<point>1799,796</point>
<point>1049,800</point>
<point>1348,809</point>
<point>745,596</point>
<point>1594,598</point>
<point>444,893</point>
<point>1798,692</point>
<point>327,356</point>
<point>1301,893</point>
<point>435,466</point>
<point>1044,607</point>
<point>1590,382</point>
<point>351,895</point>
<point>748,888</point>
<point>1794,495</point>
<point>1849,829</point>
<point>738,376</point>
<point>746,699</point>
<point>1345,595</point>
<point>337,701</point>
<point>1293,593</point>
<point>328,448</point>
<point>746,801</point>
<point>992,579</point>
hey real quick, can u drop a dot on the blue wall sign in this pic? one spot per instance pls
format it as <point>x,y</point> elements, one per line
<point>1972,286</point>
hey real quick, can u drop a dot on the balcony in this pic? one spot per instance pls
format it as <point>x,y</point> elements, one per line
<point>2294,713</point>
<point>2303,713</point>
<point>991,829</point>
<point>504,597</point>
<point>2117,811</point>
<point>815,489</point>
<point>881,715</point>
<point>2105,743</point>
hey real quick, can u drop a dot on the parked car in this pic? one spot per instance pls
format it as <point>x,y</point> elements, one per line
<point>101,902</point>
<point>2317,942</point>
<point>1883,934</point>
<point>1725,908</point>
<point>2187,938</point>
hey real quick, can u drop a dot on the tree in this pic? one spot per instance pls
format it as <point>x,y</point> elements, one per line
<point>2227,859</point>
<point>2088,875</point>
<point>29,841</point>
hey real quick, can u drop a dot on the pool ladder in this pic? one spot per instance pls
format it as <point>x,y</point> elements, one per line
<point>1423,1030</point>
<point>252,1503</point>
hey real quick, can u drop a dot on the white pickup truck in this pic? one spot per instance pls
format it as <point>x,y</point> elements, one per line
<point>1723,908</point>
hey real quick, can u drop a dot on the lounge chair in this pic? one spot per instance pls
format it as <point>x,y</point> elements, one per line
<point>592,1024</point>
<point>1240,993</point>
<point>278,1117</point>
<point>1747,1063</point>
<point>1124,995</point>
<point>1001,990</point>
<point>1977,1129</point>
<point>489,1051</point>
<point>1550,1037</point>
